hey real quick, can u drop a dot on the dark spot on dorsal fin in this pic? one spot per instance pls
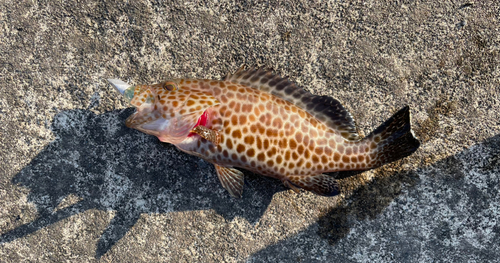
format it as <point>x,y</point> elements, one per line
<point>326,109</point>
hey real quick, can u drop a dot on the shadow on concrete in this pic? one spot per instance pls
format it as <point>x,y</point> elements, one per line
<point>370,200</point>
<point>108,166</point>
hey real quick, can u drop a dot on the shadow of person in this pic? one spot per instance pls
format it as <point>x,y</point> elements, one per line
<point>371,199</point>
<point>468,179</point>
<point>108,166</point>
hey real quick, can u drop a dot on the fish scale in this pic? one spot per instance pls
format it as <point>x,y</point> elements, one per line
<point>261,122</point>
<point>271,136</point>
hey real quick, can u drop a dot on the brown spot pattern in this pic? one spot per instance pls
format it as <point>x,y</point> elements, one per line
<point>266,134</point>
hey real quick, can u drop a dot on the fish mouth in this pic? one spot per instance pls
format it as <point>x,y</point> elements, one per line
<point>202,120</point>
<point>172,131</point>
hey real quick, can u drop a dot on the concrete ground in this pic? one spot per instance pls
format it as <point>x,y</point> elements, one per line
<point>76,185</point>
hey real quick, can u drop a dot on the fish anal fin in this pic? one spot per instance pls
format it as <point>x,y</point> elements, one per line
<point>326,109</point>
<point>320,184</point>
<point>231,179</point>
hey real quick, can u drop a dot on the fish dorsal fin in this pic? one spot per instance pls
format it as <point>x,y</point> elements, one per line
<point>326,109</point>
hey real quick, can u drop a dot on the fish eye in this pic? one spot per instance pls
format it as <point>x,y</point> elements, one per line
<point>170,86</point>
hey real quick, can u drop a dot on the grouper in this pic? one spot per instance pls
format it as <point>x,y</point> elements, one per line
<point>261,122</point>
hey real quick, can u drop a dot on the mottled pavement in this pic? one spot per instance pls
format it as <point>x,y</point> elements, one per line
<point>76,185</point>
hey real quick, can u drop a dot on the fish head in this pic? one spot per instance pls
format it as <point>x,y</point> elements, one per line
<point>168,110</point>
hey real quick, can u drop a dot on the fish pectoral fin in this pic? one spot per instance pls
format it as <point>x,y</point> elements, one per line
<point>231,179</point>
<point>210,135</point>
<point>320,184</point>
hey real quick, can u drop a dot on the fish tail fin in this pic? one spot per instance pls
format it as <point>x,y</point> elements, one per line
<point>393,139</point>
<point>320,184</point>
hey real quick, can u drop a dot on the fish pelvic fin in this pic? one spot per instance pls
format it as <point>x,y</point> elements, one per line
<point>394,139</point>
<point>320,184</point>
<point>231,179</point>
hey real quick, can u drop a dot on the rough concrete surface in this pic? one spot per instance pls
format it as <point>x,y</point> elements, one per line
<point>76,185</point>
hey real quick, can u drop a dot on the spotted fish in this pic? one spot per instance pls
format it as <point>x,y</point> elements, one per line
<point>261,122</point>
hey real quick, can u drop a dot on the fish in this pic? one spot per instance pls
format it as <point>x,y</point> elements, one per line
<point>258,121</point>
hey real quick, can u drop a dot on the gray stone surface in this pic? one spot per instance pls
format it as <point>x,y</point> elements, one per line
<point>76,185</point>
